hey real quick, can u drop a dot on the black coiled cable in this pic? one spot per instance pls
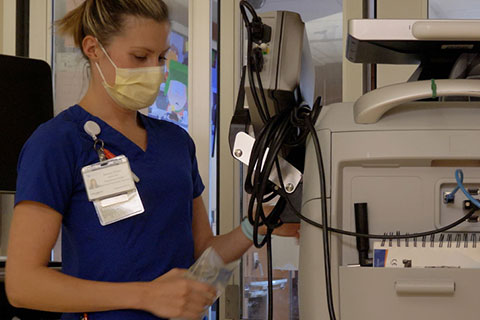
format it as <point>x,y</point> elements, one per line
<point>287,129</point>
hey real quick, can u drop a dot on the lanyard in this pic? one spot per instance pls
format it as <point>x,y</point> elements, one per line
<point>108,155</point>
<point>98,147</point>
<point>93,130</point>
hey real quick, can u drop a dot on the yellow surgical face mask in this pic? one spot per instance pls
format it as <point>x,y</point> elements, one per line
<point>134,88</point>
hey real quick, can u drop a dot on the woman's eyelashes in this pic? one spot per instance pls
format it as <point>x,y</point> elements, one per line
<point>142,58</point>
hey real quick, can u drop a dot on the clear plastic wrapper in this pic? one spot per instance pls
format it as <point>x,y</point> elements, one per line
<point>211,269</point>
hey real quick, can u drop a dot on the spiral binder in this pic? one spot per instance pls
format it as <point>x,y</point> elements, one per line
<point>446,250</point>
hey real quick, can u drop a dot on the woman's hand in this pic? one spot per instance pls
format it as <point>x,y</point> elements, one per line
<point>285,230</point>
<point>174,296</point>
<point>288,230</point>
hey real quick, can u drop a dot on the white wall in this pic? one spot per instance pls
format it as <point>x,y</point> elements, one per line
<point>228,171</point>
<point>7,23</point>
<point>199,79</point>
<point>1,24</point>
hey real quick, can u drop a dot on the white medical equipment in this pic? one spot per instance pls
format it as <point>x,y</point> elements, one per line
<point>389,155</point>
<point>399,156</point>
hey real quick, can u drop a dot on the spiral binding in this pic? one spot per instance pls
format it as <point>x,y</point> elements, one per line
<point>443,240</point>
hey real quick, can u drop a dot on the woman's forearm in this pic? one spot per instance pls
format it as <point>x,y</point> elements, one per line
<point>50,290</point>
<point>231,246</point>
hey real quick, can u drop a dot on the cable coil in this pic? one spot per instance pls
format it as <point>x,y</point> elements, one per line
<point>286,129</point>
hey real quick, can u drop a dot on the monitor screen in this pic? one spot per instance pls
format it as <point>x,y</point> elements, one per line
<point>26,101</point>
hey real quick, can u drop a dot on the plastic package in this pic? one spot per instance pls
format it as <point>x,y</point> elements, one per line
<point>211,269</point>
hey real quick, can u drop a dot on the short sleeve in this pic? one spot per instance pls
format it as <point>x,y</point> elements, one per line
<point>198,185</point>
<point>46,170</point>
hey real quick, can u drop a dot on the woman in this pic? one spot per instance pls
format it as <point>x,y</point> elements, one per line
<point>133,268</point>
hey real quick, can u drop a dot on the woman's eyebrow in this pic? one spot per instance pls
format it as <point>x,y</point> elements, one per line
<point>150,50</point>
<point>144,48</point>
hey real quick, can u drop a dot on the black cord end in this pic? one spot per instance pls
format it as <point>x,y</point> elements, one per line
<point>361,226</point>
<point>261,33</point>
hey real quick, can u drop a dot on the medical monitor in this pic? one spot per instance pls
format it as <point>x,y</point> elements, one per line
<point>26,101</point>
<point>390,41</point>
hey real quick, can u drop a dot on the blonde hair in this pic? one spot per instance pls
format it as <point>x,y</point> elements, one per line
<point>104,19</point>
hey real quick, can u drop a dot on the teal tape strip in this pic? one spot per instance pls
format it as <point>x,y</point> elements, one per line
<point>434,89</point>
<point>247,230</point>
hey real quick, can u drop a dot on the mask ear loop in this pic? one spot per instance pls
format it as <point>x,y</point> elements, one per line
<point>101,73</point>
<point>105,51</point>
<point>109,59</point>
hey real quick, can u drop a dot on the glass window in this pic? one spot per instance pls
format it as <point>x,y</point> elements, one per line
<point>214,118</point>
<point>70,68</point>
<point>172,101</point>
<point>324,36</point>
<point>212,205</point>
<point>459,9</point>
<point>255,286</point>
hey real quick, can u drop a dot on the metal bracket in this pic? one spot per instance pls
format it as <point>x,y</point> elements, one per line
<point>242,150</point>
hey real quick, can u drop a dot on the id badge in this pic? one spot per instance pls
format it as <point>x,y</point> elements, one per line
<point>110,186</point>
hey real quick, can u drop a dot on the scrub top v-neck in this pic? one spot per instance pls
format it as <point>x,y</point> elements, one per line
<point>140,248</point>
<point>134,150</point>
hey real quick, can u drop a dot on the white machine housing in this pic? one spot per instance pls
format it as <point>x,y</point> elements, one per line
<point>400,166</point>
<point>283,54</point>
<point>403,41</point>
<point>399,156</point>
<point>282,59</point>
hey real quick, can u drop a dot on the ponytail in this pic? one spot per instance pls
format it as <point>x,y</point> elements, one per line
<point>104,19</point>
<point>72,24</point>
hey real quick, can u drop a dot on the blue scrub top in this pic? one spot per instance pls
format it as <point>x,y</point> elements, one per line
<point>140,248</point>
